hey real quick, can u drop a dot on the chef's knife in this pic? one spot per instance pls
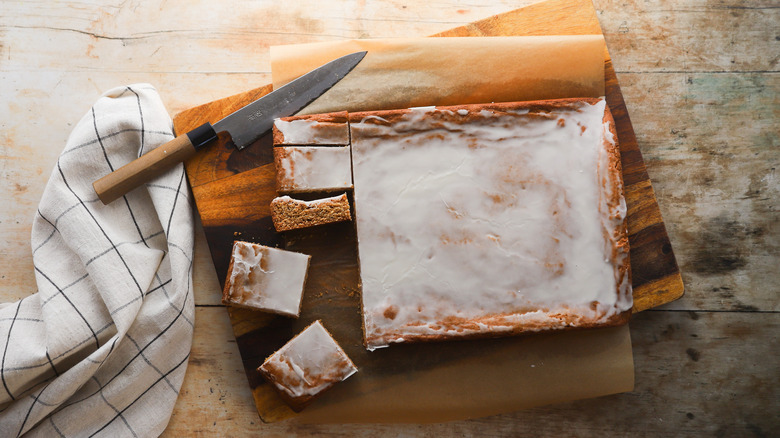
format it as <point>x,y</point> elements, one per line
<point>244,126</point>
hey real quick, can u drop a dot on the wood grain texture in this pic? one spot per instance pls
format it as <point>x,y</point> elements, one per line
<point>552,17</point>
<point>692,36</point>
<point>147,167</point>
<point>235,197</point>
<point>711,143</point>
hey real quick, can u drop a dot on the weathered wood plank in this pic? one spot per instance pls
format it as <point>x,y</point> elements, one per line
<point>711,145</point>
<point>696,374</point>
<point>702,35</point>
<point>207,37</point>
<point>695,35</point>
<point>572,18</point>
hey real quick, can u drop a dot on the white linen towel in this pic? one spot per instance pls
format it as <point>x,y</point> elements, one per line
<point>102,348</point>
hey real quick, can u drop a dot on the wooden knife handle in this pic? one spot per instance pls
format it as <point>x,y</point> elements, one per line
<point>117,183</point>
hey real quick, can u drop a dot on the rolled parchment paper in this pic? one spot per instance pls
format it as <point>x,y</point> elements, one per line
<point>404,73</point>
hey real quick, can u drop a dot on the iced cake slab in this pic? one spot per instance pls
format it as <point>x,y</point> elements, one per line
<point>488,220</point>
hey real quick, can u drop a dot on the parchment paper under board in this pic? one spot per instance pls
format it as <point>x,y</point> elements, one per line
<point>491,376</point>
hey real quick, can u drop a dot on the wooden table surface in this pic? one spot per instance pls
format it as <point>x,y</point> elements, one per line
<point>700,79</point>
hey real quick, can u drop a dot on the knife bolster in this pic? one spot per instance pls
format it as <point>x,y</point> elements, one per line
<point>202,135</point>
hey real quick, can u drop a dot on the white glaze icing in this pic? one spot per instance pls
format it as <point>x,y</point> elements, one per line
<point>313,168</point>
<point>312,132</point>
<point>486,226</point>
<point>309,363</point>
<point>339,199</point>
<point>267,278</point>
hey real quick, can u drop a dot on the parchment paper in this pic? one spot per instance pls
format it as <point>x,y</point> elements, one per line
<point>492,376</point>
<point>403,73</point>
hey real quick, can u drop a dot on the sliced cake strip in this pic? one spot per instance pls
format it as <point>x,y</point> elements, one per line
<point>320,129</point>
<point>290,214</point>
<point>306,366</point>
<point>305,169</point>
<point>265,278</point>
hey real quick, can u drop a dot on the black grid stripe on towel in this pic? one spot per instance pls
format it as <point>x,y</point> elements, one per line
<point>106,338</point>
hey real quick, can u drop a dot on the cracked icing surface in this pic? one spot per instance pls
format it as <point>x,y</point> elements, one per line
<point>488,219</point>
<point>307,365</point>
<point>312,168</point>
<point>266,278</point>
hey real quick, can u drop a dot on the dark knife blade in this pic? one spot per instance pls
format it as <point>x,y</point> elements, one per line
<point>244,126</point>
<point>250,122</point>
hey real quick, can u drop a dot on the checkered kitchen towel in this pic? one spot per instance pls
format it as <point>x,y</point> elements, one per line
<point>102,348</point>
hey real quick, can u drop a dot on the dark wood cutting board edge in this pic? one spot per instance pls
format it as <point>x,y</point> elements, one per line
<point>228,187</point>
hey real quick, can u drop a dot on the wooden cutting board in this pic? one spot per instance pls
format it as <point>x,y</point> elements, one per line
<point>233,189</point>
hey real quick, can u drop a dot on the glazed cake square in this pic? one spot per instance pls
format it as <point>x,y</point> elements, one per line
<point>302,169</point>
<point>306,366</point>
<point>264,278</point>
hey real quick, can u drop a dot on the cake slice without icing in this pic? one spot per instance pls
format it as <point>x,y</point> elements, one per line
<point>290,214</point>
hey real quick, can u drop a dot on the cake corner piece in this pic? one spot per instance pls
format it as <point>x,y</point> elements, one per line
<point>307,366</point>
<point>265,279</point>
<point>331,129</point>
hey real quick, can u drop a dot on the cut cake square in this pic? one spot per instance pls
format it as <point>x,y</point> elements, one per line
<point>306,366</point>
<point>264,278</point>
<point>301,169</point>
<point>290,214</point>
